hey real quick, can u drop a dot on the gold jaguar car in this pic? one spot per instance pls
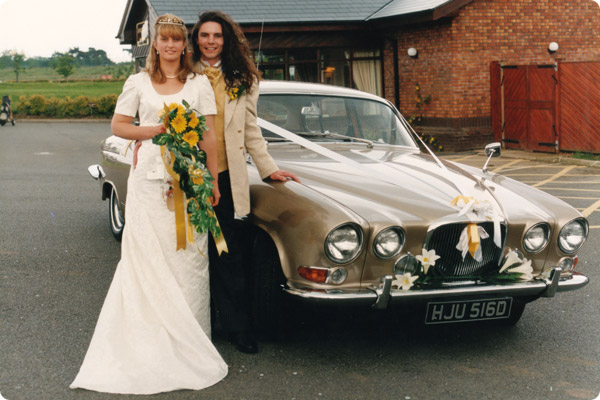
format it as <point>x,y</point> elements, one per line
<point>376,221</point>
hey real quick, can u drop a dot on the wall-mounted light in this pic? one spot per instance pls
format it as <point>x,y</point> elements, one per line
<point>412,52</point>
<point>552,47</point>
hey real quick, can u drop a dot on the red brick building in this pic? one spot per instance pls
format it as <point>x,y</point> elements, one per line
<point>484,64</point>
<point>463,60</point>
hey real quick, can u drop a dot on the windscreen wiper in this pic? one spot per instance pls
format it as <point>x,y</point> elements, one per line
<point>334,135</point>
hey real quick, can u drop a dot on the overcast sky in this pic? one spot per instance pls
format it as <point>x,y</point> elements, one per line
<point>41,27</point>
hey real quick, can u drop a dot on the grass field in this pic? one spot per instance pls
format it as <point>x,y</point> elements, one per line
<point>61,89</point>
<point>49,74</point>
<point>86,81</point>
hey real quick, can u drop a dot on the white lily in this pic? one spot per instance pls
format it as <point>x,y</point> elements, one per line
<point>524,269</point>
<point>405,281</point>
<point>427,259</point>
<point>512,258</point>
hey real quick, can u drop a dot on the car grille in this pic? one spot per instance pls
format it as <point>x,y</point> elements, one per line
<point>444,240</point>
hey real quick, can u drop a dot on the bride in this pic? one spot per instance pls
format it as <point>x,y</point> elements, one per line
<point>153,333</point>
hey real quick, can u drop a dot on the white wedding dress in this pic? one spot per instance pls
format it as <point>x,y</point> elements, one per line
<point>153,333</point>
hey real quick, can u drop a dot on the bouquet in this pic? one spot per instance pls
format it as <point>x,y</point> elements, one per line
<point>187,164</point>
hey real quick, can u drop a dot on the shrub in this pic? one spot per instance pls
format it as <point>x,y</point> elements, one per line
<point>106,105</point>
<point>37,105</point>
<point>54,107</point>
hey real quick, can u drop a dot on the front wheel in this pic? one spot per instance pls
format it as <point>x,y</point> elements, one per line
<point>115,215</point>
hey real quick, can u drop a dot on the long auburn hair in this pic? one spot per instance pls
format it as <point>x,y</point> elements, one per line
<point>236,59</point>
<point>153,60</point>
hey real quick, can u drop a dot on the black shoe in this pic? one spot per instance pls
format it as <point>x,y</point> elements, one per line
<point>244,342</point>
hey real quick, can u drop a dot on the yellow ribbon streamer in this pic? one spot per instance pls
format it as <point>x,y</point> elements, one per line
<point>181,211</point>
<point>465,199</point>
<point>220,242</point>
<point>179,200</point>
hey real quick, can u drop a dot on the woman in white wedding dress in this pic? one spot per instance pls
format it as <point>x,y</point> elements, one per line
<point>153,333</point>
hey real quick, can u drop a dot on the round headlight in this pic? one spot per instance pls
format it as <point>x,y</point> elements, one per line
<point>388,242</point>
<point>343,243</point>
<point>536,238</point>
<point>406,264</point>
<point>573,235</point>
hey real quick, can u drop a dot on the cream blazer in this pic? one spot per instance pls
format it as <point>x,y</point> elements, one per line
<point>242,135</point>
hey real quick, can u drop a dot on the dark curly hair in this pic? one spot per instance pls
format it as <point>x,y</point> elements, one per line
<point>236,59</point>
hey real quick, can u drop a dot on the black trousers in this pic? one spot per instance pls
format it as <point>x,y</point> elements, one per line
<point>229,275</point>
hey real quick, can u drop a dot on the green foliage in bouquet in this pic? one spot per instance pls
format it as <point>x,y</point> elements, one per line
<point>184,131</point>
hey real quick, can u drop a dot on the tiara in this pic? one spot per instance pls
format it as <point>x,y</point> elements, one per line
<point>169,20</point>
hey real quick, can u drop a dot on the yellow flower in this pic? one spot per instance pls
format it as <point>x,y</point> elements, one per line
<point>233,93</point>
<point>179,123</point>
<point>196,175</point>
<point>173,106</point>
<point>190,137</point>
<point>194,121</point>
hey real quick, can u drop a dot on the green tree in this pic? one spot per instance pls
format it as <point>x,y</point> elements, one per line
<point>91,57</point>
<point>17,62</point>
<point>65,65</point>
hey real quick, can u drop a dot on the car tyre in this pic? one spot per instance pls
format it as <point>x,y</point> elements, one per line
<point>268,297</point>
<point>115,215</point>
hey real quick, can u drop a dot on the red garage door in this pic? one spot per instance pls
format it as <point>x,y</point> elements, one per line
<point>529,117</point>
<point>580,106</point>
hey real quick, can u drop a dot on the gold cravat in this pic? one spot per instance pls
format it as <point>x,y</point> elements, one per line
<point>212,73</point>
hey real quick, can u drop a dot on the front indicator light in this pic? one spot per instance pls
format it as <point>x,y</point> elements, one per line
<point>338,275</point>
<point>323,275</point>
<point>314,274</point>
<point>566,264</point>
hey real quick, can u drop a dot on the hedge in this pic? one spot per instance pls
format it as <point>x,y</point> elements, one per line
<point>54,107</point>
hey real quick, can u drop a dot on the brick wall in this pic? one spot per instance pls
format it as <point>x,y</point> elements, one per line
<point>453,64</point>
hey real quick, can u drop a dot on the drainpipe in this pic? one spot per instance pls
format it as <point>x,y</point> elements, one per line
<point>396,77</point>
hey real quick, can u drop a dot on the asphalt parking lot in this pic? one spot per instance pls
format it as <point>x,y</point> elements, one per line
<point>57,259</point>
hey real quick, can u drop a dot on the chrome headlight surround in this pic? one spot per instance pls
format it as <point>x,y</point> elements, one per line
<point>536,238</point>
<point>573,235</point>
<point>389,242</point>
<point>406,264</point>
<point>344,243</point>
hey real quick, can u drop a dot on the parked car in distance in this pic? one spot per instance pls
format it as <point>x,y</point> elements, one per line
<point>376,221</point>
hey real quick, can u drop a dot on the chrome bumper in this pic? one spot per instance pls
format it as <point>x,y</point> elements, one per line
<point>382,294</point>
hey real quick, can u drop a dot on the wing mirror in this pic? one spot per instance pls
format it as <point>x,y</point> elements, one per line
<point>96,171</point>
<point>491,150</point>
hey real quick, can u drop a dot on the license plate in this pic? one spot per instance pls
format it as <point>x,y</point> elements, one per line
<point>443,312</point>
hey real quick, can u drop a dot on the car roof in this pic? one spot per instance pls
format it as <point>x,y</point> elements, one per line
<point>287,87</point>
